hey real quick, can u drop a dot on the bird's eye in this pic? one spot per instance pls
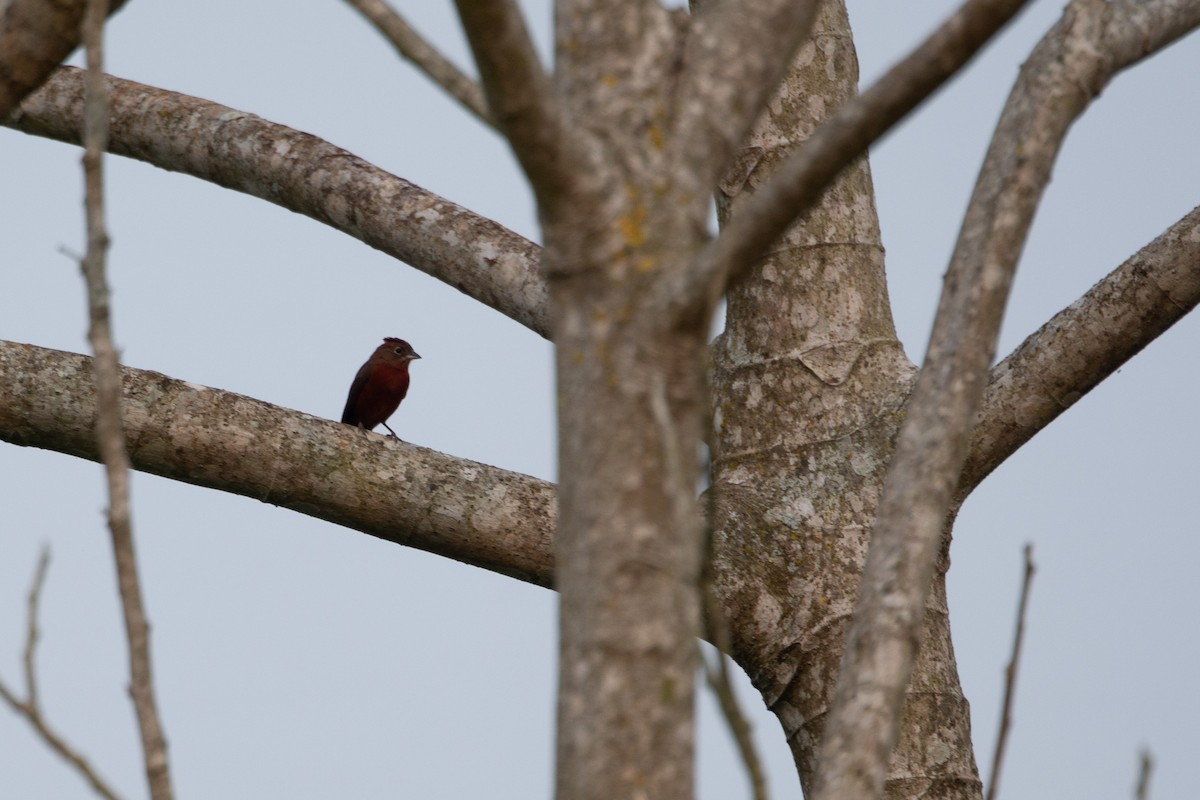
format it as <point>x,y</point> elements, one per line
<point>399,351</point>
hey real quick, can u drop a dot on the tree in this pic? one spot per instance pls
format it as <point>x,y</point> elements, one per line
<point>808,380</point>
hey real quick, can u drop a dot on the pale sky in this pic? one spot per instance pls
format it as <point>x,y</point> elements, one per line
<point>298,659</point>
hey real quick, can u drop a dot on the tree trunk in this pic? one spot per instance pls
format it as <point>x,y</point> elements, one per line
<point>809,386</point>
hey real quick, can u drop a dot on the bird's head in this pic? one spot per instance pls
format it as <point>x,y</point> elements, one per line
<point>396,351</point>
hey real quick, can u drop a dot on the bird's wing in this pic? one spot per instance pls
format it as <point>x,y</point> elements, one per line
<point>360,380</point>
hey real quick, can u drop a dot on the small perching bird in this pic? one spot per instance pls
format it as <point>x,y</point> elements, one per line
<point>380,385</point>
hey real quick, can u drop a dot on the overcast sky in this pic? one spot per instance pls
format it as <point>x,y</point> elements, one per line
<point>299,659</point>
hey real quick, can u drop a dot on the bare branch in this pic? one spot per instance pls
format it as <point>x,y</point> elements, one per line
<point>30,708</point>
<point>1010,676</point>
<point>799,182</point>
<point>412,46</point>
<point>1066,70</point>
<point>307,175</point>
<point>719,681</point>
<point>1083,344</point>
<point>31,627</point>
<point>520,96</point>
<point>110,437</point>
<point>481,515</point>
<point>1145,768</point>
<point>35,37</point>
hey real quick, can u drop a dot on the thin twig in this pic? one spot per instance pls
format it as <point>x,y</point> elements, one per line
<point>1010,676</point>
<point>31,631</point>
<point>30,708</point>
<point>414,47</point>
<point>1145,767</point>
<point>719,681</point>
<point>799,181</point>
<point>717,629</point>
<point>109,434</point>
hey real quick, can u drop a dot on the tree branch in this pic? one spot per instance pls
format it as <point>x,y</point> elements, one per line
<point>1083,344</point>
<point>110,438</point>
<point>1145,768</point>
<point>521,97</point>
<point>717,674</point>
<point>801,180</point>
<point>734,58</point>
<point>307,175</point>
<point>30,708</point>
<point>1010,677</point>
<point>1066,70</point>
<point>35,37</point>
<point>477,514</point>
<point>413,47</point>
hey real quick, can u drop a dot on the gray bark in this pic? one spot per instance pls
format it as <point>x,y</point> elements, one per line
<point>810,387</point>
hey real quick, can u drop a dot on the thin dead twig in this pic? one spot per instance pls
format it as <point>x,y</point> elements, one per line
<point>719,681</point>
<point>1145,767</point>
<point>30,707</point>
<point>110,436</point>
<point>717,628</point>
<point>1010,676</point>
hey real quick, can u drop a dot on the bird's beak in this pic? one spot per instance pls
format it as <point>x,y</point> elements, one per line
<point>415,355</point>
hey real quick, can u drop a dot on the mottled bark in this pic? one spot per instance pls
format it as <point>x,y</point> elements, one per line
<point>110,437</point>
<point>630,403</point>
<point>809,387</point>
<point>1083,344</point>
<point>307,175</point>
<point>35,37</point>
<point>1068,68</point>
<point>798,182</point>
<point>471,512</point>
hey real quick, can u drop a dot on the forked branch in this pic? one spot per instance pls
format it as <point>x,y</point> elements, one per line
<point>1083,344</point>
<point>30,708</point>
<point>1068,68</point>
<point>799,182</point>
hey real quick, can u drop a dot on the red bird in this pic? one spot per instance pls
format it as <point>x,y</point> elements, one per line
<point>380,385</point>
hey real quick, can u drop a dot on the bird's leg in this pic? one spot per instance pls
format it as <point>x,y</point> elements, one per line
<point>392,432</point>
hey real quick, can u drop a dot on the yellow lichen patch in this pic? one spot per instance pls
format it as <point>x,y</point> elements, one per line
<point>633,223</point>
<point>667,690</point>
<point>646,263</point>
<point>658,138</point>
<point>610,80</point>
